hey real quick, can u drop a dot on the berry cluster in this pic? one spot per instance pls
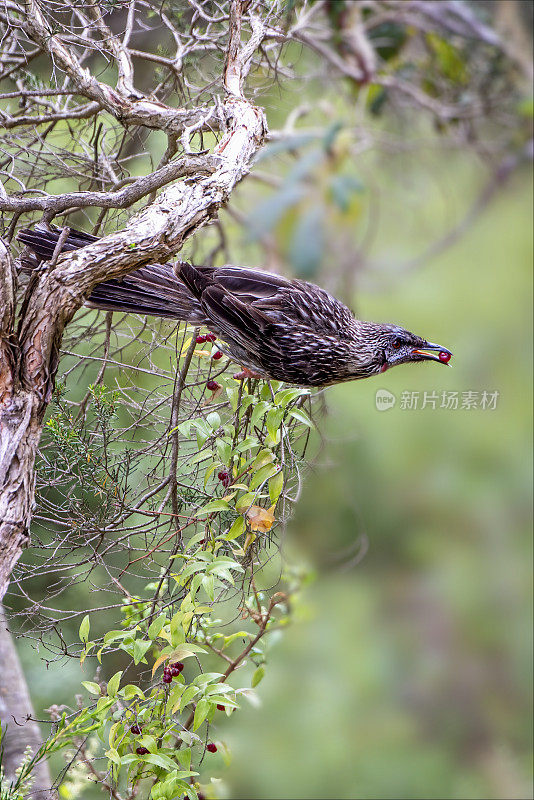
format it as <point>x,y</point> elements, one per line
<point>225,478</point>
<point>208,337</point>
<point>172,671</point>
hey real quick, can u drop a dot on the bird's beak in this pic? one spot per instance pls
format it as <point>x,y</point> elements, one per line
<point>425,353</point>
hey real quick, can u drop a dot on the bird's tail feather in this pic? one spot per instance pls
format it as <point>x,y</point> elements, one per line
<point>152,289</point>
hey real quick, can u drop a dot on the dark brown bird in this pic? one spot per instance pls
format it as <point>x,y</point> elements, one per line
<point>287,330</point>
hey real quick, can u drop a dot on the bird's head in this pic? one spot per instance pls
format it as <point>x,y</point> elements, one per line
<point>381,346</point>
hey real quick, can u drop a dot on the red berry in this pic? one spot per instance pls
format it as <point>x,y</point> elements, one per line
<point>445,357</point>
<point>135,729</point>
<point>213,385</point>
<point>176,668</point>
<point>216,356</point>
<point>201,339</point>
<point>211,748</point>
<point>210,337</point>
<point>225,478</point>
<point>220,707</point>
<point>141,751</point>
<point>167,675</point>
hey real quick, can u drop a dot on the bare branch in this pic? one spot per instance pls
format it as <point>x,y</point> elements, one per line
<point>122,198</point>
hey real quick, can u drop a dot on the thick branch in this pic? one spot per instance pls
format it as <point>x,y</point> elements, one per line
<point>121,198</point>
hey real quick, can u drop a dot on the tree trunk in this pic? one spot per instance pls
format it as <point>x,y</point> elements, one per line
<point>20,429</point>
<point>17,718</point>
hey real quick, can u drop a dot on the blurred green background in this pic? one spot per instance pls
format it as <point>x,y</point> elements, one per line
<point>412,676</point>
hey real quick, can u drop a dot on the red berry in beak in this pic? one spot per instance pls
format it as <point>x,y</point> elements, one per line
<point>213,385</point>
<point>220,707</point>
<point>211,748</point>
<point>444,357</point>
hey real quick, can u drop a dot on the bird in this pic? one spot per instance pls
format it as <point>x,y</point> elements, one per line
<point>276,328</point>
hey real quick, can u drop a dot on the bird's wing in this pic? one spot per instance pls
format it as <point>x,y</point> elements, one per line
<point>229,297</point>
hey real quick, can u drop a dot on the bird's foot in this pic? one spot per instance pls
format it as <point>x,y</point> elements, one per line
<point>246,373</point>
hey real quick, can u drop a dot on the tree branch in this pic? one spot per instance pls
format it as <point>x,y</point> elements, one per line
<point>137,110</point>
<point>122,198</point>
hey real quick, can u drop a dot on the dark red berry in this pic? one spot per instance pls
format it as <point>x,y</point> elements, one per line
<point>213,385</point>
<point>216,356</point>
<point>444,357</point>
<point>210,337</point>
<point>135,729</point>
<point>211,748</point>
<point>141,751</point>
<point>220,707</point>
<point>201,339</point>
<point>176,668</point>
<point>225,478</point>
<point>167,675</point>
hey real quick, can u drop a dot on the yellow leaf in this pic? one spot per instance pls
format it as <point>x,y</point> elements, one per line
<point>248,541</point>
<point>260,519</point>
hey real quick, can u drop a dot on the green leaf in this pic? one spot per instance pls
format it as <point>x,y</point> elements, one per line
<point>273,421</point>
<point>276,484</point>
<point>221,562</point>
<point>287,395</point>
<point>113,755</point>
<point>263,457</point>
<point>131,690</point>
<point>139,650</point>
<point>245,501</point>
<point>301,416</point>
<point>202,456</point>
<point>91,687</point>
<point>260,409</point>
<point>214,420</point>
<point>84,629</point>
<point>159,760</point>
<point>257,676</point>
<point>212,506</point>
<point>112,636</point>
<point>238,528</point>
<point>201,712</point>
<point>188,695</point>
<point>262,475</point>
<point>156,626</point>
<point>113,684</point>
<point>208,583</point>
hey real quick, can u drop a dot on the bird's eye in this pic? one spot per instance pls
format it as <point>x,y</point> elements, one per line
<point>396,343</point>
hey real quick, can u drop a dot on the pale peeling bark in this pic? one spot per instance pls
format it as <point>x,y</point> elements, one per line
<point>18,719</point>
<point>30,357</point>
